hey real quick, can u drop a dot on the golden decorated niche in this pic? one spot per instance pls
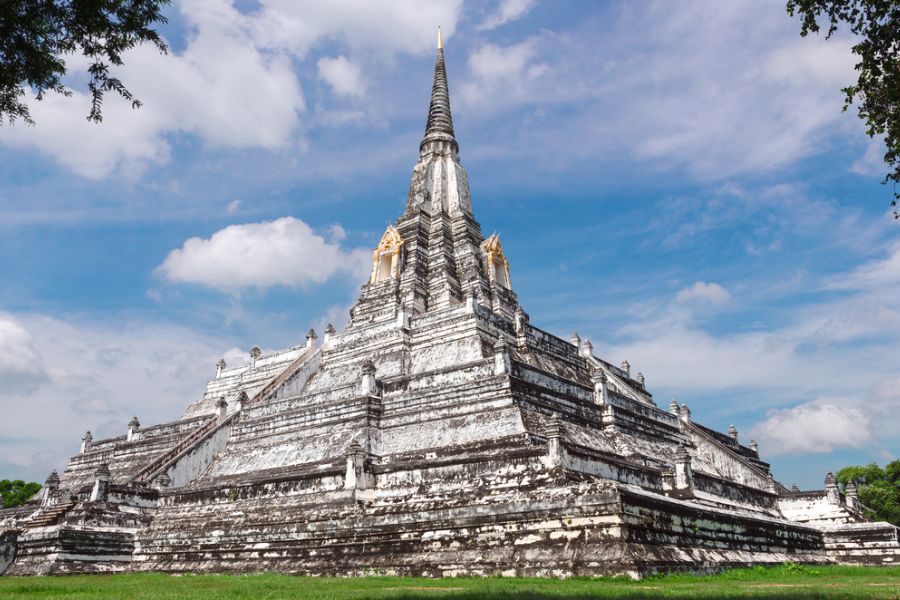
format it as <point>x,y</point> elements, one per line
<point>495,261</point>
<point>386,257</point>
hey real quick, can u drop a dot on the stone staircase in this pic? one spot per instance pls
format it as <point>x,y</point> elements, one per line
<point>165,460</point>
<point>148,472</point>
<point>50,516</point>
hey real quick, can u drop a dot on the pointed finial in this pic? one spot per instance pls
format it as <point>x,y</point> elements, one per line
<point>440,39</point>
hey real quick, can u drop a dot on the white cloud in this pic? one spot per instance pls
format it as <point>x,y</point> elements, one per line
<point>502,73</point>
<point>872,161</point>
<point>875,274</point>
<point>702,291</point>
<point>97,376</point>
<point>232,86</point>
<point>815,427</point>
<point>232,207</point>
<point>21,367</point>
<point>506,11</point>
<point>714,93</point>
<point>282,252</point>
<point>344,77</point>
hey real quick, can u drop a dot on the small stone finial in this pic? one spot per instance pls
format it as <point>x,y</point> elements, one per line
<point>673,407</point>
<point>794,488</point>
<point>52,480</point>
<point>640,379</point>
<point>587,349</point>
<point>311,334</point>
<point>133,426</point>
<point>220,366</point>
<point>102,476</point>
<point>685,413</point>
<point>368,382</point>
<point>770,483</point>
<point>832,493</point>
<point>575,340</point>
<point>732,433</point>
<point>86,441</point>
<point>222,406</point>
<point>851,496</point>
<point>626,368</point>
<point>255,353</point>
<point>330,330</point>
<point>684,475</point>
<point>754,446</point>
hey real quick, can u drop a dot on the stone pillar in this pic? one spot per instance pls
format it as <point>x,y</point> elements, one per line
<point>311,338</point>
<point>733,434</point>
<point>684,475</point>
<point>133,426</point>
<point>86,441</point>
<point>255,353</point>
<point>369,385</point>
<point>609,418</point>
<point>626,368</point>
<point>502,365</point>
<point>794,488</point>
<point>685,414</point>
<point>641,381</point>
<point>329,333</point>
<point>100,492</point>
<point>587,349</point>
<point>754,447</point>
<point>851,495</point>
<point>601,388</point>
<point>402,318</point>
<point>832,493</point>
<point>471,299</point>
<point>51,489</point>
<point>554,443</point>
<point>222,406</point>
<point>667,479</point>
<point>521,320</point>
<point>220,366</point>
<point>355,477</point>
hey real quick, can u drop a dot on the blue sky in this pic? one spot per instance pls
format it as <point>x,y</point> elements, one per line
<point>674,181</point>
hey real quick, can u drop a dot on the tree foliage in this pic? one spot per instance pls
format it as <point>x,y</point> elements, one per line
<point>37,35</point>
<point>17,492</point>
<point>876,23</point>
<point>879,489</point>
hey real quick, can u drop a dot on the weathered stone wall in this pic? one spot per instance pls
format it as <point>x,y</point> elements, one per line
<point>863,543</point>
<point>7,548</point>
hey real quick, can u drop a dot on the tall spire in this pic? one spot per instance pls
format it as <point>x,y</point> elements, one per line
<point>440,123</point>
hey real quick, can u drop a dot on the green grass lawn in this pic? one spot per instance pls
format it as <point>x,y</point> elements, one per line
<point>789,581</point>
